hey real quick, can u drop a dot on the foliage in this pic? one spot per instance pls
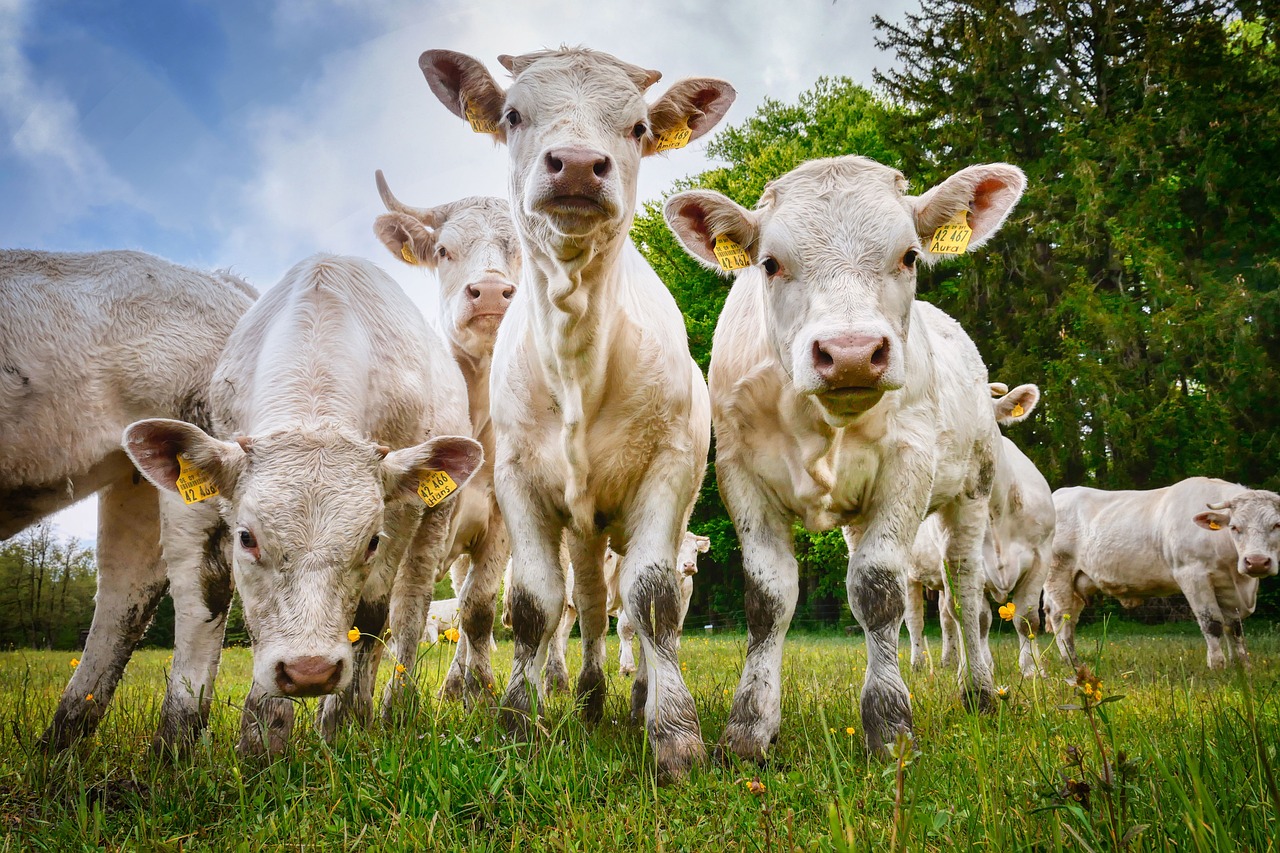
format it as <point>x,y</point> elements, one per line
<point>46,590</point>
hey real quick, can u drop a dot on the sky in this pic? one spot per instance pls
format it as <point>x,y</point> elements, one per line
<point>245,135</point>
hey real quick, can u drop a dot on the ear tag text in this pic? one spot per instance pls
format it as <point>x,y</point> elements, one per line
<point>730,255</point>
<point>952,237</point>
<point>408,255</point>
<point>1213,525</point>
<point>193,484</point>
<point>676,137</point>
<point>479,123</point>
<point>435,486</point>
<point>1017,410</point>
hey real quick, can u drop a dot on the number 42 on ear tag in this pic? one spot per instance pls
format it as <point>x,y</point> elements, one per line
<point>730,255</point>
<point>952,238</point>
<point>435,486</point>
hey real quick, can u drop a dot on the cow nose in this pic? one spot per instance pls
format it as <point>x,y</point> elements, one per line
<point>579,165</point>
<point>690,569</point>
<point>308,676</point>
<point>490,291</point>
<point>851,361</point>
<point>1256,564</point>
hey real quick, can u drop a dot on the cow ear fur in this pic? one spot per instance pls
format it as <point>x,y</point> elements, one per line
<point>1213,519</point>
<point>402,470</point>
<point>699,217</point>
<point>697,103</point>
<point>1022,400</point>
<point>988,192</point>
<point>407,238</point>
<point>154,446</point>
<point>463,84</point>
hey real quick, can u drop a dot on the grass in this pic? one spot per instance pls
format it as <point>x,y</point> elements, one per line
<point>1190,756</point>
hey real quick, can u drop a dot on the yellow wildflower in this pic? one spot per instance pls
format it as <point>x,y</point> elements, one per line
<point>849,730</point>
<point>353,635</point>
<point>88,698</point>
<point>756,787</point>
<point>1007,611</point>
<point>452,635</point>
<point>75,662</point>
<point>1003,691</point>
<point>399,667</point>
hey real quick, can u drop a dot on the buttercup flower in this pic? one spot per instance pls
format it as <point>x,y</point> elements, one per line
<point>399,667</point>
<point>755,786</point>
<point>75,662</point>
<point>88,698</point>
<point>1007,611</point>
<point>353,634</point>
<point>452,635</point>
<point>849,730</point>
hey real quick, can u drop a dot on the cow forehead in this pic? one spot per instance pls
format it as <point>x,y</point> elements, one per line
<point>1260,508</point>
<point>478,218</point>
<point>323,476</point>
<point>585,77</point>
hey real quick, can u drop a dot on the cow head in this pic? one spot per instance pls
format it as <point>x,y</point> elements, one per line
<point>472,247</point>
<point>687,557</point>
<point>834,246</point>
<point>576,124</point>
<point>1252,519</point>
<point>306,510</point>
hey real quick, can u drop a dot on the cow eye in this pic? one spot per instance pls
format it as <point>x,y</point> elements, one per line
<point>909,259</point>
<point>639,130</point>
<point>442,253</point>
<point>1235,528</point>
<point>771,266</point>
<point>373,545</point>
<point>513,118</point>
<point>247,540</point>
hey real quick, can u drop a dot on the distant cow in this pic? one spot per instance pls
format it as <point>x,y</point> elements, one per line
<point>1017,548</point>
<point>829,413</point>
<point>472,248</point>
<point>341,414</point>
<point>89,343</point>
<point>1134,545</point>
<point>601,415</point>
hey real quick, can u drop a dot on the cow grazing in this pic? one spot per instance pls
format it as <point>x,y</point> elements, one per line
<point>1017,548</point>
<point>601,416</point>
<point>828,412</point>
<point>92,342</point>
<point>472,248</point>
<point>342,414</point>
<point>1134,545</point>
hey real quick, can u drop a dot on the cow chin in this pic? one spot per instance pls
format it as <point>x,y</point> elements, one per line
<point>845,405</point>
<point>575,216</point>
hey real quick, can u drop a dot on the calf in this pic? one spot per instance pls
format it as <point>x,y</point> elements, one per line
<point>828,412</point>
<point>601,416</point>
<point>472,248</point>
<point>329,392</point>
<point>92,342</point>
<point>1134,545</point>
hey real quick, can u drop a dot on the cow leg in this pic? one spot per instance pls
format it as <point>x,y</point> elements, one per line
<point>984,633</point>
<point>1062,592</point>
<point>966,522</point>
<point>915,624</point>
<point>355,703</point>
<point>197,550</point>
<point>1026,600</point>
<point>411,592</point>
<point>477,601</point>
<point>265,723</point>
<point>131,581</point>
<point>626,654</point>
<point>555,676</point>
<point>950,630</point>
<point>536,596</point>
<point>590,599</point>
<point>455,680</point>
<point>1198,589</point>
<point>772,587</point>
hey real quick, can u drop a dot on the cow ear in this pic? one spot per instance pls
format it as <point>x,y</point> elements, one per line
<point>700,217</point>
<point>154,446</point>
<point>414,473</point>
<point>466,87</point>
<point>1213,520</point>
<point>703,543</point>
<point>1017,405</point>
<point>697,103</point>
<point>407,238</point>
<point>987,192</point>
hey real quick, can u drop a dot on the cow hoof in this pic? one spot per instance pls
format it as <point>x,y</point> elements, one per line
<point>556,681</point>
<point>675,756</point>
<point>981,699</point>
<point>737,744</point>
<point>454,686</point>
<point>627,670</point>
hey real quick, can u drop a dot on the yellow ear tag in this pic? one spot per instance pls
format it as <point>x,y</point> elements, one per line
<point>730,255</point>
<point>435,486</point>
<point>1017,410</point>
<point>952,238</point>
<point>408,255</point>
<point>676,137</point>
<point>1213,525</point>
<point>193,484</point>
<point>479,123</point>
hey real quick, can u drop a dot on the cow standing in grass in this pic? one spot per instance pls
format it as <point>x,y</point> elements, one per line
<point>1210,540</point>
<point>839,400</point>
<point>601,415</point>
<point>340,415</point>
<point>89,343</point>
<point>472,248</point>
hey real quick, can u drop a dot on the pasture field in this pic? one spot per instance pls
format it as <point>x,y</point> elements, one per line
<point>1193,758</point>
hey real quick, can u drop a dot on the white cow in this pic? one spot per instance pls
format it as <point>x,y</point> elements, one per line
<point>1018,548</point>
<point>601,416</point>
<point>321,379</point>
<point>828,412</point>
<point>90,343</point>
<point>1134,545</point>
<point>442,616</point>
<point>472,248</point>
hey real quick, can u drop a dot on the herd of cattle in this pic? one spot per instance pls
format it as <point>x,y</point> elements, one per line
<point>326,453</point>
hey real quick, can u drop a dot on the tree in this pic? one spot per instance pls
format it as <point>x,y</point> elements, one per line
<point>46,589</point>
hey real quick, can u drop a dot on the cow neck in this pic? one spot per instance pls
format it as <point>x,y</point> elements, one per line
<point>475,372</point>
<point>576,299</point>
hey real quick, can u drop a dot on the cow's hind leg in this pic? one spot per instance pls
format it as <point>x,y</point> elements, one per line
<point>477,602</point>
<point>1026,600</point>
<point>414,578</point>
<point>915,624</point>
<point>590,601</point>
<point>131,582</point>
<point>966,522</point>
<point>626,654</point>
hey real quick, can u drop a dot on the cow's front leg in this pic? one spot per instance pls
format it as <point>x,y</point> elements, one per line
<point>590,599</point>
<point>411,594</point>
<point>915,624</point>
<point>478,597</point>
<point>1198,589</point>
<point>265,723</point>
<point>1026,601</point>
<point>536,600</point>
<point>131,582</point>
<point>772,587</point>
<point>356,701</point>
<point>966,522</point>
<point>626,654</point>
<point>197,550</point>
<point>555,677</point>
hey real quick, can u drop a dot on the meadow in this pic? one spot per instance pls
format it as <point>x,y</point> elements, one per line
<point>1185,760</point>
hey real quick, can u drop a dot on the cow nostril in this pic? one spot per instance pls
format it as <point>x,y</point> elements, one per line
<point>508,292</point>
<point>602,167</point>
<point>880,358</point>
<point>821,358</point>
<point>554,164</point>
<point>473,291</point>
